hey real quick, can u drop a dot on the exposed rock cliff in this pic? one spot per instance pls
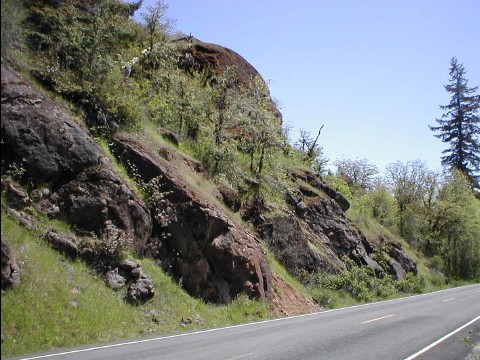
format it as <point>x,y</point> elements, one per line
<point>186,231</point>
<point>40,137</point>
<point>189,235</point>
<point>314,234</point>
<point>215,257</point>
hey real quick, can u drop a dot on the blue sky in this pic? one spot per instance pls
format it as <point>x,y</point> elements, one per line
<point>371,71</point>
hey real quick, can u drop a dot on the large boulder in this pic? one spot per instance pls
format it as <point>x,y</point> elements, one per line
<point>10,274</point>
<point>397,253</point>
<point>40,138</point>
<point>98,199</point>
<point>140,287</point>
<point>214,257</point>
<point>62,243</point>
<point>43,139</point>
<point>216,59</point>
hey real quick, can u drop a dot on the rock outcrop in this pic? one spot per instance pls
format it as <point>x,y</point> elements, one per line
<point>189,234</point>
<point>99,198</point>
<point>51,147</point>
<point>129,272</point>
<point>216,59</point>
<point>215,258</point>
<point>41,139</point>
<point>314,234</point>
<point>399,256</point>
<point>10,272</point>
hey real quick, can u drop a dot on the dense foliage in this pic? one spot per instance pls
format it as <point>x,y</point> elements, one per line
<point>437,214</point>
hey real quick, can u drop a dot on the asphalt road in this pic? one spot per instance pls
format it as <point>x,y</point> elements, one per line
<point>408,328</point>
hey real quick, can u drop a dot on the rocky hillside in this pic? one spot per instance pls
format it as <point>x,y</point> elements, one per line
<point>212,185</point>
<point>190,235</point>
<point>70,179</point>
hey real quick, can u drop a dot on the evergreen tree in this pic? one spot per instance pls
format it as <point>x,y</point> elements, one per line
<point>459,126</point>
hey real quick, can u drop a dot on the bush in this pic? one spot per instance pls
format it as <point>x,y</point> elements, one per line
<point>412,284</point>
<point>112,247</point>
<point>361,283</point>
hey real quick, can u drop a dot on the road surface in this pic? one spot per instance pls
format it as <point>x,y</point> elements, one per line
<point>420,327</point>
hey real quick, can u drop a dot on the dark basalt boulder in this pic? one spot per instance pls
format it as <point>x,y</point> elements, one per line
<point>10,272</point>
<point>140,287</point>
<point>215,258</point>
<point>39,136</point>
<point>99,198</point>
<point>231,198</point>
<point>62,243</point>
<point>396,270</point>
<point>397,253</point>
<point>15,196</point>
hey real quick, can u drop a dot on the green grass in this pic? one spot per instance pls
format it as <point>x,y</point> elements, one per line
<point>62,303</point>
<point>119,167</point>
<point>332,299</point>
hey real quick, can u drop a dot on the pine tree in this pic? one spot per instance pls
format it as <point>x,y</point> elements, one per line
<point>459,126</point>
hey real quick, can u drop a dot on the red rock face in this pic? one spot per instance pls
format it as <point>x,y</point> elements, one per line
<point>216,258</point>
<point>217,59</point>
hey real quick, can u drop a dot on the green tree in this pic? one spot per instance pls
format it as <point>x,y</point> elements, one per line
<point>76,43</point>
<point>223,98</point>
<point>361,171</point>
<point>263,130</point>
<point>459,126</point>
<point>408,182</point>
<point>311,150</point>
<point>379,204</point>
<point>455,228</point>
<point>157,24</point>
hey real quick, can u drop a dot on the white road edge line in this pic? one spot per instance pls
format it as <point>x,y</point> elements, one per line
<point>448,299</point>
<point>425,349</point>
<point>380,318</point>
<point>100,347</point>
<point>240,356</point>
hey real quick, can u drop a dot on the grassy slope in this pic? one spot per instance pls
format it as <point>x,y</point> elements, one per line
<point>63,303</point>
